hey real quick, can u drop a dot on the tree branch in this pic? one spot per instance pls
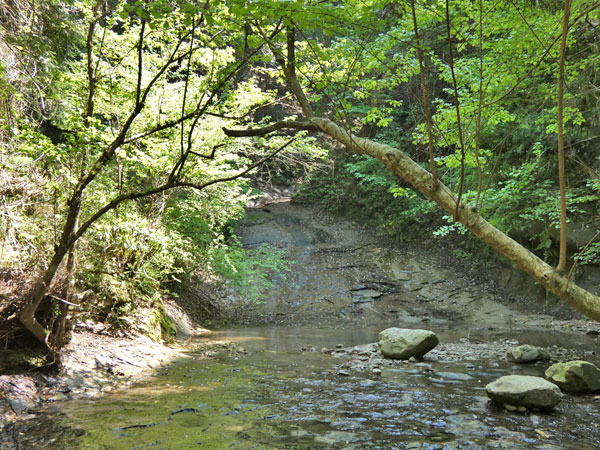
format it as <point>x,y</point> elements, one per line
<point>289,68</point>
<point>169,185</point>
<point>238,175</point>
<point>296,125</point>
<point>457,107</point>
<point>138,89</point>
<point>432,163</point>
<point>402,165</point>
<point>562,258</point>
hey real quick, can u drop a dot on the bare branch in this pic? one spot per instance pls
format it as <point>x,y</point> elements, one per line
<point>138,89</point>
<point>270,128</point>
<point>238,175</point>
<point>212,153</point>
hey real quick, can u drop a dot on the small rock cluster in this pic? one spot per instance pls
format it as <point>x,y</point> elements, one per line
<point>514,392</point>
<point>536,392</point>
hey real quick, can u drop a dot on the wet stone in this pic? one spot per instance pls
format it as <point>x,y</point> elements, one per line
<point>575,376</point>
<point>523,390</point>
<point>402,343</point>
<point>526,354</point>
<point>455,376</point>
<point>19,392</point>
<point>336,437</point>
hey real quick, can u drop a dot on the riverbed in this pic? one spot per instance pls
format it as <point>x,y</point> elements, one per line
<point>303,373</point>
<point>284,388</point>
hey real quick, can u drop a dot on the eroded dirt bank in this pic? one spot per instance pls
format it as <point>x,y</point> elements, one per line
<point>343,274</point>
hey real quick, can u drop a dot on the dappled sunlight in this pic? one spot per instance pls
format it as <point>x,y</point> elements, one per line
<point>156,391</point>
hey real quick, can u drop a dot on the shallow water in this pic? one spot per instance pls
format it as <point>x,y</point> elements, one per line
<point>282,392</point>
<point>277,396</point>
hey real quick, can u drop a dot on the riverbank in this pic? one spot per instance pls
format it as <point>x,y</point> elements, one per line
<point>341,277</point>
<point>342,273</point>
<point>96,361</point>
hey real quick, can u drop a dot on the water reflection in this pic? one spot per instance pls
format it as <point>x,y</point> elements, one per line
<point>275,396</point>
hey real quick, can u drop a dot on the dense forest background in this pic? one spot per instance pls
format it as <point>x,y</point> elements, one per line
<point>133,133</point>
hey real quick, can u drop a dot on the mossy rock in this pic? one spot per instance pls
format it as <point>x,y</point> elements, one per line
<point>167,325</point>
<point>158,326</point>
<point>575,376</point>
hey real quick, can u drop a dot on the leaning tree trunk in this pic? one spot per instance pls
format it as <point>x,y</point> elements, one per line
<point>39,290</point>
<point>402,165</point>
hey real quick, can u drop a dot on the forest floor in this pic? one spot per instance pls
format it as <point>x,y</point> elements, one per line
<point>341,275</point>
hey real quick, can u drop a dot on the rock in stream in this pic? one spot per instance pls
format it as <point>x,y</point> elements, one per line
<point>527,354</point>
<point>403,343</point>
<point>575,376</point>
<point>524,390</point>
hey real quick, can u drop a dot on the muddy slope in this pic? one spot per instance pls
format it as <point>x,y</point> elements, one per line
<point>342,273</point>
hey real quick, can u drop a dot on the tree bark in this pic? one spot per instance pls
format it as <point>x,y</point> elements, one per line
<point>39,290</point>
<point>428,125</point>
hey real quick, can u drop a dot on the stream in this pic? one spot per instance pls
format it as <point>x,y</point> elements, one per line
<point>301,375</point>
<point>271,395</point>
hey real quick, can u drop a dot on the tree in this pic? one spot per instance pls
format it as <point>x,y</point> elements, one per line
<point>562,262</point>
<point>297,15</point>
<point>153,74</point>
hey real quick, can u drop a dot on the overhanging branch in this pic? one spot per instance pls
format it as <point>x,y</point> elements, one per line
<point>402,165</point>
<point>292,124</point>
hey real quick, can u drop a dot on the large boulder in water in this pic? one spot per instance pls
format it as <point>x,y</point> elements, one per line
<point>526,354</point>
<point>575,376</point>
<point>402,343</point>
<point>523,390</point>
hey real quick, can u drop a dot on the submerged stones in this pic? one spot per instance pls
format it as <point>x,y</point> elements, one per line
<point>403,343</point>
<point>575,376</point>
<point>526,354</point>
<point>523,390</point>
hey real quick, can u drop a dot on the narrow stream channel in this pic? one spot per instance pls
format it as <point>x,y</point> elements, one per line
<point>275,396</point>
